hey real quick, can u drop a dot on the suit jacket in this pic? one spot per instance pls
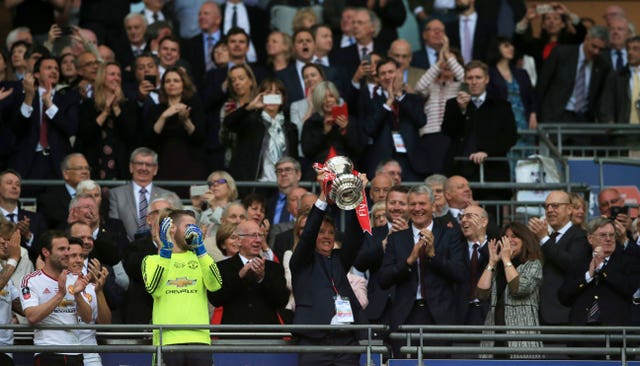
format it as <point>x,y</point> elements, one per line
<point>370,259</point>
<point>259,20</point>
<point>122,206</point>
<point>246,301</point>
<point>441,276</point>
<point>465,290</point>
<point>311,274</point>
<point>616,98</point>
<point>420,59</point>
<point>612,287</point>
<point>125,56</point>
<point>194,53</point>
<point>476,130</point>
<point>138,303</point>
<point>282,243</point>
<point>378,125</point>
<point>557,81</point>
<point>60,129</point>
<point>484,33</point>
<point>572,247</point>
<point>349,58</point>
<point>37,226</point>
<point>53,204</point>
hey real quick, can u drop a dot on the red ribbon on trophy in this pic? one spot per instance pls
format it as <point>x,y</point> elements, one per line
<point>362,210</point>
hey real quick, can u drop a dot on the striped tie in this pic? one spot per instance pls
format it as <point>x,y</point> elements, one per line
<point>142,211</point>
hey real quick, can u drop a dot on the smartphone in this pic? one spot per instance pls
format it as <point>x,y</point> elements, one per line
<point>272,99</point>
<point>66,30</point>
<point>465,88</point>
<point>367,58</point>
<point>615,210</point>
<point>152,79</point>
<point>195,191</point>
<point>544,8</point>
<point>339,110</point>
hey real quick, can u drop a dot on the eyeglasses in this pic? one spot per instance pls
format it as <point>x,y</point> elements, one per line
<point>554,205</point>
<point>252,236</point>
<point>78,168</point>
<point>605,236</point>
<point>286,170</point>
<point>610,202</point>
<point>91,63</point>
<point>217,182</point>
<point>143,164</point>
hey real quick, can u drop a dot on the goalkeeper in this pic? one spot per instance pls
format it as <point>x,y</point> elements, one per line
<point>178,278</point>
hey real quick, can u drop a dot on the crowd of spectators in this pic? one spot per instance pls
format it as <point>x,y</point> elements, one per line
<point>98,92</point>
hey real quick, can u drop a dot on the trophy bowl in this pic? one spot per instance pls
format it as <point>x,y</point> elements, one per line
<point>346,188</point>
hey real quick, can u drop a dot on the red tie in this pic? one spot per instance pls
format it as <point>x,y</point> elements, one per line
<point>44,125</point>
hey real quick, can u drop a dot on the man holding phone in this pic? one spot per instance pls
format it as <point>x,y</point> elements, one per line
<point>611,205</point>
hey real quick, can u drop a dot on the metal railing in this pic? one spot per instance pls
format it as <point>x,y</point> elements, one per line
<point>560,132</point>
<point>267,339</point>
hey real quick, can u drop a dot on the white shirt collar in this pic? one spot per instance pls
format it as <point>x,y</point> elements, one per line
<point>416,231</point>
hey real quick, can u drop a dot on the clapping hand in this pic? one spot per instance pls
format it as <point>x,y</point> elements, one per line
<point>505,250</point>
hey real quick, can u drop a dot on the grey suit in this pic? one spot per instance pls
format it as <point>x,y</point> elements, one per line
<point>122,206</point>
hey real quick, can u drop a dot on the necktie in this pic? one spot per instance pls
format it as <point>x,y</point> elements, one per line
<point>318,61</point>
<point>155,16</point>
<point>477,101</point>
<point>553,236</point>
<point>352,40</point>
<point>619,60</point>
<point>581,89</point>
<point>364,51</point>
<point>11,217</point>
<point>284,214</point>
<point>137,51</point>
<point>634,118</point>
<point>142,210</point>
<point>423,266</point>
<point>467,50</point>
<point>459,217</point>
<point>44,125</point>
<point>474,271</point>
<point>234,17</point>
<point>208,57</point>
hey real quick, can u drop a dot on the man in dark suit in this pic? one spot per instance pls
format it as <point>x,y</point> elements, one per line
<point>254,21</point>
<point>433,37</point>
<point>153,11</point>
<point>473,120</point>
<point>46,121</point>
<point>254,288</point>
<point>566,245</point>
<point>288,174</point>
<point>54,203</point>
<point>129,203</point>
<point>573,78</point>
<point>371,255</point>
<point>138,304</point>
<point>30,224</point>
<point>400,50</point>
<point>474,224</point>
<point>471,32</point>
<point>620,30</point>
<point>199,48</point>
<point>426,263</point>
<point>599,289</point>
<point>392,122</point>
<point>136,44</point>
<point>618,100</point>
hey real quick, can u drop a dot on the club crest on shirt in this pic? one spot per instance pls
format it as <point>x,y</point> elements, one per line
<point>26,293</point>
<point>88,296</point>
<point>70,289</point>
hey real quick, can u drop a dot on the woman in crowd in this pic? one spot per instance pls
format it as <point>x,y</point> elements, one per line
<point>243,88</point>
<point>440,83</point>
<point>578,216</point>
<point>325,134</point>
<point>177,130</point>
<point>305,18</point>
<point>512,280</point>
<point>227,241</point>
<point>68,70</point>
<point>264,134</point>
<point>279,50</point>
<point>378,214</point>
<point>513,85</point>
<point>302,109</point>
<point>222,191</point>
<point>107,127</point>
<point>6,71</point>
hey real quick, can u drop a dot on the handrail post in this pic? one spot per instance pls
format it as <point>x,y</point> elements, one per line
<point>607,340</point>
<point>623,351</point>
<point>159,349</point>
<point>369,363</point>
<point>420,355</point>
<point>482,172</point>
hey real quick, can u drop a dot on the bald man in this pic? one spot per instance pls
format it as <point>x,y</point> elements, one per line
<point>380,186</point>
<point>400,51</point>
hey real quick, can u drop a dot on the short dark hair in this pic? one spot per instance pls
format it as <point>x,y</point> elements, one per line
<point>268,82</point>
<point>46,240</point>
<point>252,198</point>
<point>36,66</point>
<point>384,61</point>
<point>476,64</point>
<point>75,241</point>
<point>302,30</point>
<point>10,171</point>
<point>233,31</point>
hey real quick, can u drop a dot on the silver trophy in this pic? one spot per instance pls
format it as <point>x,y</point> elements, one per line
<point>346,188</point>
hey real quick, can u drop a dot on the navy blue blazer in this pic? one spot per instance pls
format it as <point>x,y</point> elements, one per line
<point>61,128</point>
<point>53,204</point>
<point>378,124</point>
<point>37,226</point>
<point>259,20</point>
<point>442,276</point>
<point>614,288</point>
<point>311,274</point>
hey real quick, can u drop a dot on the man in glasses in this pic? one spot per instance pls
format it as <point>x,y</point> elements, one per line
<point>254,288</point>
<point>611,205</point>
<point>563,246</point>
<point>130,202</point>
<point>288,174</point>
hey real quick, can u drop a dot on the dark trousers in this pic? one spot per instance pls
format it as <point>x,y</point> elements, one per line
<point>56,359</point>
<point>5,360</point>
<point>186,359</point>
<point>329,359</point>
<point>419,315</point>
